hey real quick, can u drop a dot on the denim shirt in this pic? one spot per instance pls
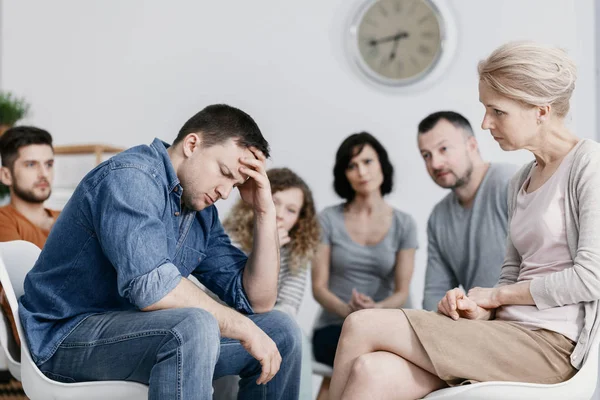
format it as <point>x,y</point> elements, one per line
<point>122,242</point>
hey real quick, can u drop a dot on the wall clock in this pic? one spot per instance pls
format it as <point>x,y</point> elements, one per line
<point>399,43</point>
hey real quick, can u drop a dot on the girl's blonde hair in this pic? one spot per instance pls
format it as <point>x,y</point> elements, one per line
<point>304,235</point>
<point>532,74</point>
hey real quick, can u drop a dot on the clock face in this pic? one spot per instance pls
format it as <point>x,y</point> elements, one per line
<point>398,41</point>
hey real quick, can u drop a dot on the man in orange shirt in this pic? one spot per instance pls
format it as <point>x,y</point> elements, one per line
<point>28,170</point>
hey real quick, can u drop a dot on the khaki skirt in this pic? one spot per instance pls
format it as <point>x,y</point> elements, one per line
<point>467,351</point>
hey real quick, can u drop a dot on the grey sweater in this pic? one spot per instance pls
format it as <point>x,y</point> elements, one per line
<point>581,283</point>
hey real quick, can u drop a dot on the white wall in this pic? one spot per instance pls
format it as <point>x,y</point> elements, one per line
<point>125,72</point>
<point>597,63</point>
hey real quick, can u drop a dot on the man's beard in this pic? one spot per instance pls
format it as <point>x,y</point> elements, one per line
<point>462,181</point>
<point>29,195</point>
<point>465,179</point>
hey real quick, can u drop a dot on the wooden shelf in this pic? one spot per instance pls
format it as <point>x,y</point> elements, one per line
<point>97,149</point>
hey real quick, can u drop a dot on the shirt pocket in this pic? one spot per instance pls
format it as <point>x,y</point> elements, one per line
<point>191,258</point>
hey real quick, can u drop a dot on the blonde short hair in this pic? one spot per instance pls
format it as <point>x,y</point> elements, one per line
<point>532,74</point>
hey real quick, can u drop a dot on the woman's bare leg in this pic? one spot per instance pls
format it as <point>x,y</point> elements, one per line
<point>382,375</point>
<point>324,390</point>
<point>368,331</point>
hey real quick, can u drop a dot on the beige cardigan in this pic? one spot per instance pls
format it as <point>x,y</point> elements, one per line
<point>580,284</point>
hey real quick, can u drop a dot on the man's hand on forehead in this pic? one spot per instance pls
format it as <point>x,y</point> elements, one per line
<point>258,154</point>
<point>256,191</point>
<point>244,178</point>
<point>249,162</point>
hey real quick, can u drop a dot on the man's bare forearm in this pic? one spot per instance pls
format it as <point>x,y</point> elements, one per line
<point>187,295</point>
<point>262,269</point>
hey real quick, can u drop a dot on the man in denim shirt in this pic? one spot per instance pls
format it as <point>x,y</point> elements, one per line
<point>109,298</point>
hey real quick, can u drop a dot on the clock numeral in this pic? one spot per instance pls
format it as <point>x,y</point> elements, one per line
<point>400,66</point>
<point>384,62</point>
<point>373,52</point>
<point>425,18</point>
<point>414,61</point>
<point>426,51</point>
<point>398,7</point>
<point>412,7</point>
<point>383,10</point>
<point>371,22</point>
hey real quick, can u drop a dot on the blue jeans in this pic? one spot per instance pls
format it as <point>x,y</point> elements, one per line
<point>226,388</point>
<point>177,352</point>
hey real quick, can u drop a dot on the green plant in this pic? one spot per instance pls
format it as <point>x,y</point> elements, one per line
<point>12,108</point>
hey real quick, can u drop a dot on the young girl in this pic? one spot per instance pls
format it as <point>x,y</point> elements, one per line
<point>298,237</point>
<point>298,233</point>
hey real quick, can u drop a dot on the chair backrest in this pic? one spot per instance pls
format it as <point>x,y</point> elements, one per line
<point>17,259</point>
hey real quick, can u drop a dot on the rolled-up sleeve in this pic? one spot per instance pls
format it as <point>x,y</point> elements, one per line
<point>222,269</point>
<point>153,286</point>
<point>132,234</point>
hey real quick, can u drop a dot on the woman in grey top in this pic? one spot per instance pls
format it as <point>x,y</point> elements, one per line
<point>537,324</point>
<point>366,256</point>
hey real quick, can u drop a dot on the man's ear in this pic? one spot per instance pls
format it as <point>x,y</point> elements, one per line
<point>6,176</point>
<point>191,143</point>
<point>472,143</point>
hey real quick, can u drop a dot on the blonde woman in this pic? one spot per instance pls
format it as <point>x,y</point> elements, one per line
<point>535,325</point>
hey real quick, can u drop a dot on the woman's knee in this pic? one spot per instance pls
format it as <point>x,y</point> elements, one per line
<point>365,369</point>
<point>355,322</point>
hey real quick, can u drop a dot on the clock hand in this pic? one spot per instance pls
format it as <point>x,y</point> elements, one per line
<point>393,52</point>
<point>396,37</point>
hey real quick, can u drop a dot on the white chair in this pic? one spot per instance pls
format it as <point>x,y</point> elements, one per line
<point>17,258</point>
<point>579,387</point>
<point>10,350</point>
<point>321,369</point>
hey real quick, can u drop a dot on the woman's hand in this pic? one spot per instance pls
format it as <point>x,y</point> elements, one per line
<point>360,301</point>
<point>485,297</point>
<point>284,236</point>
<point>456,304</point>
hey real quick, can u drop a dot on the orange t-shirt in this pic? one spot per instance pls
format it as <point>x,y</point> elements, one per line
<point>14,226</point>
